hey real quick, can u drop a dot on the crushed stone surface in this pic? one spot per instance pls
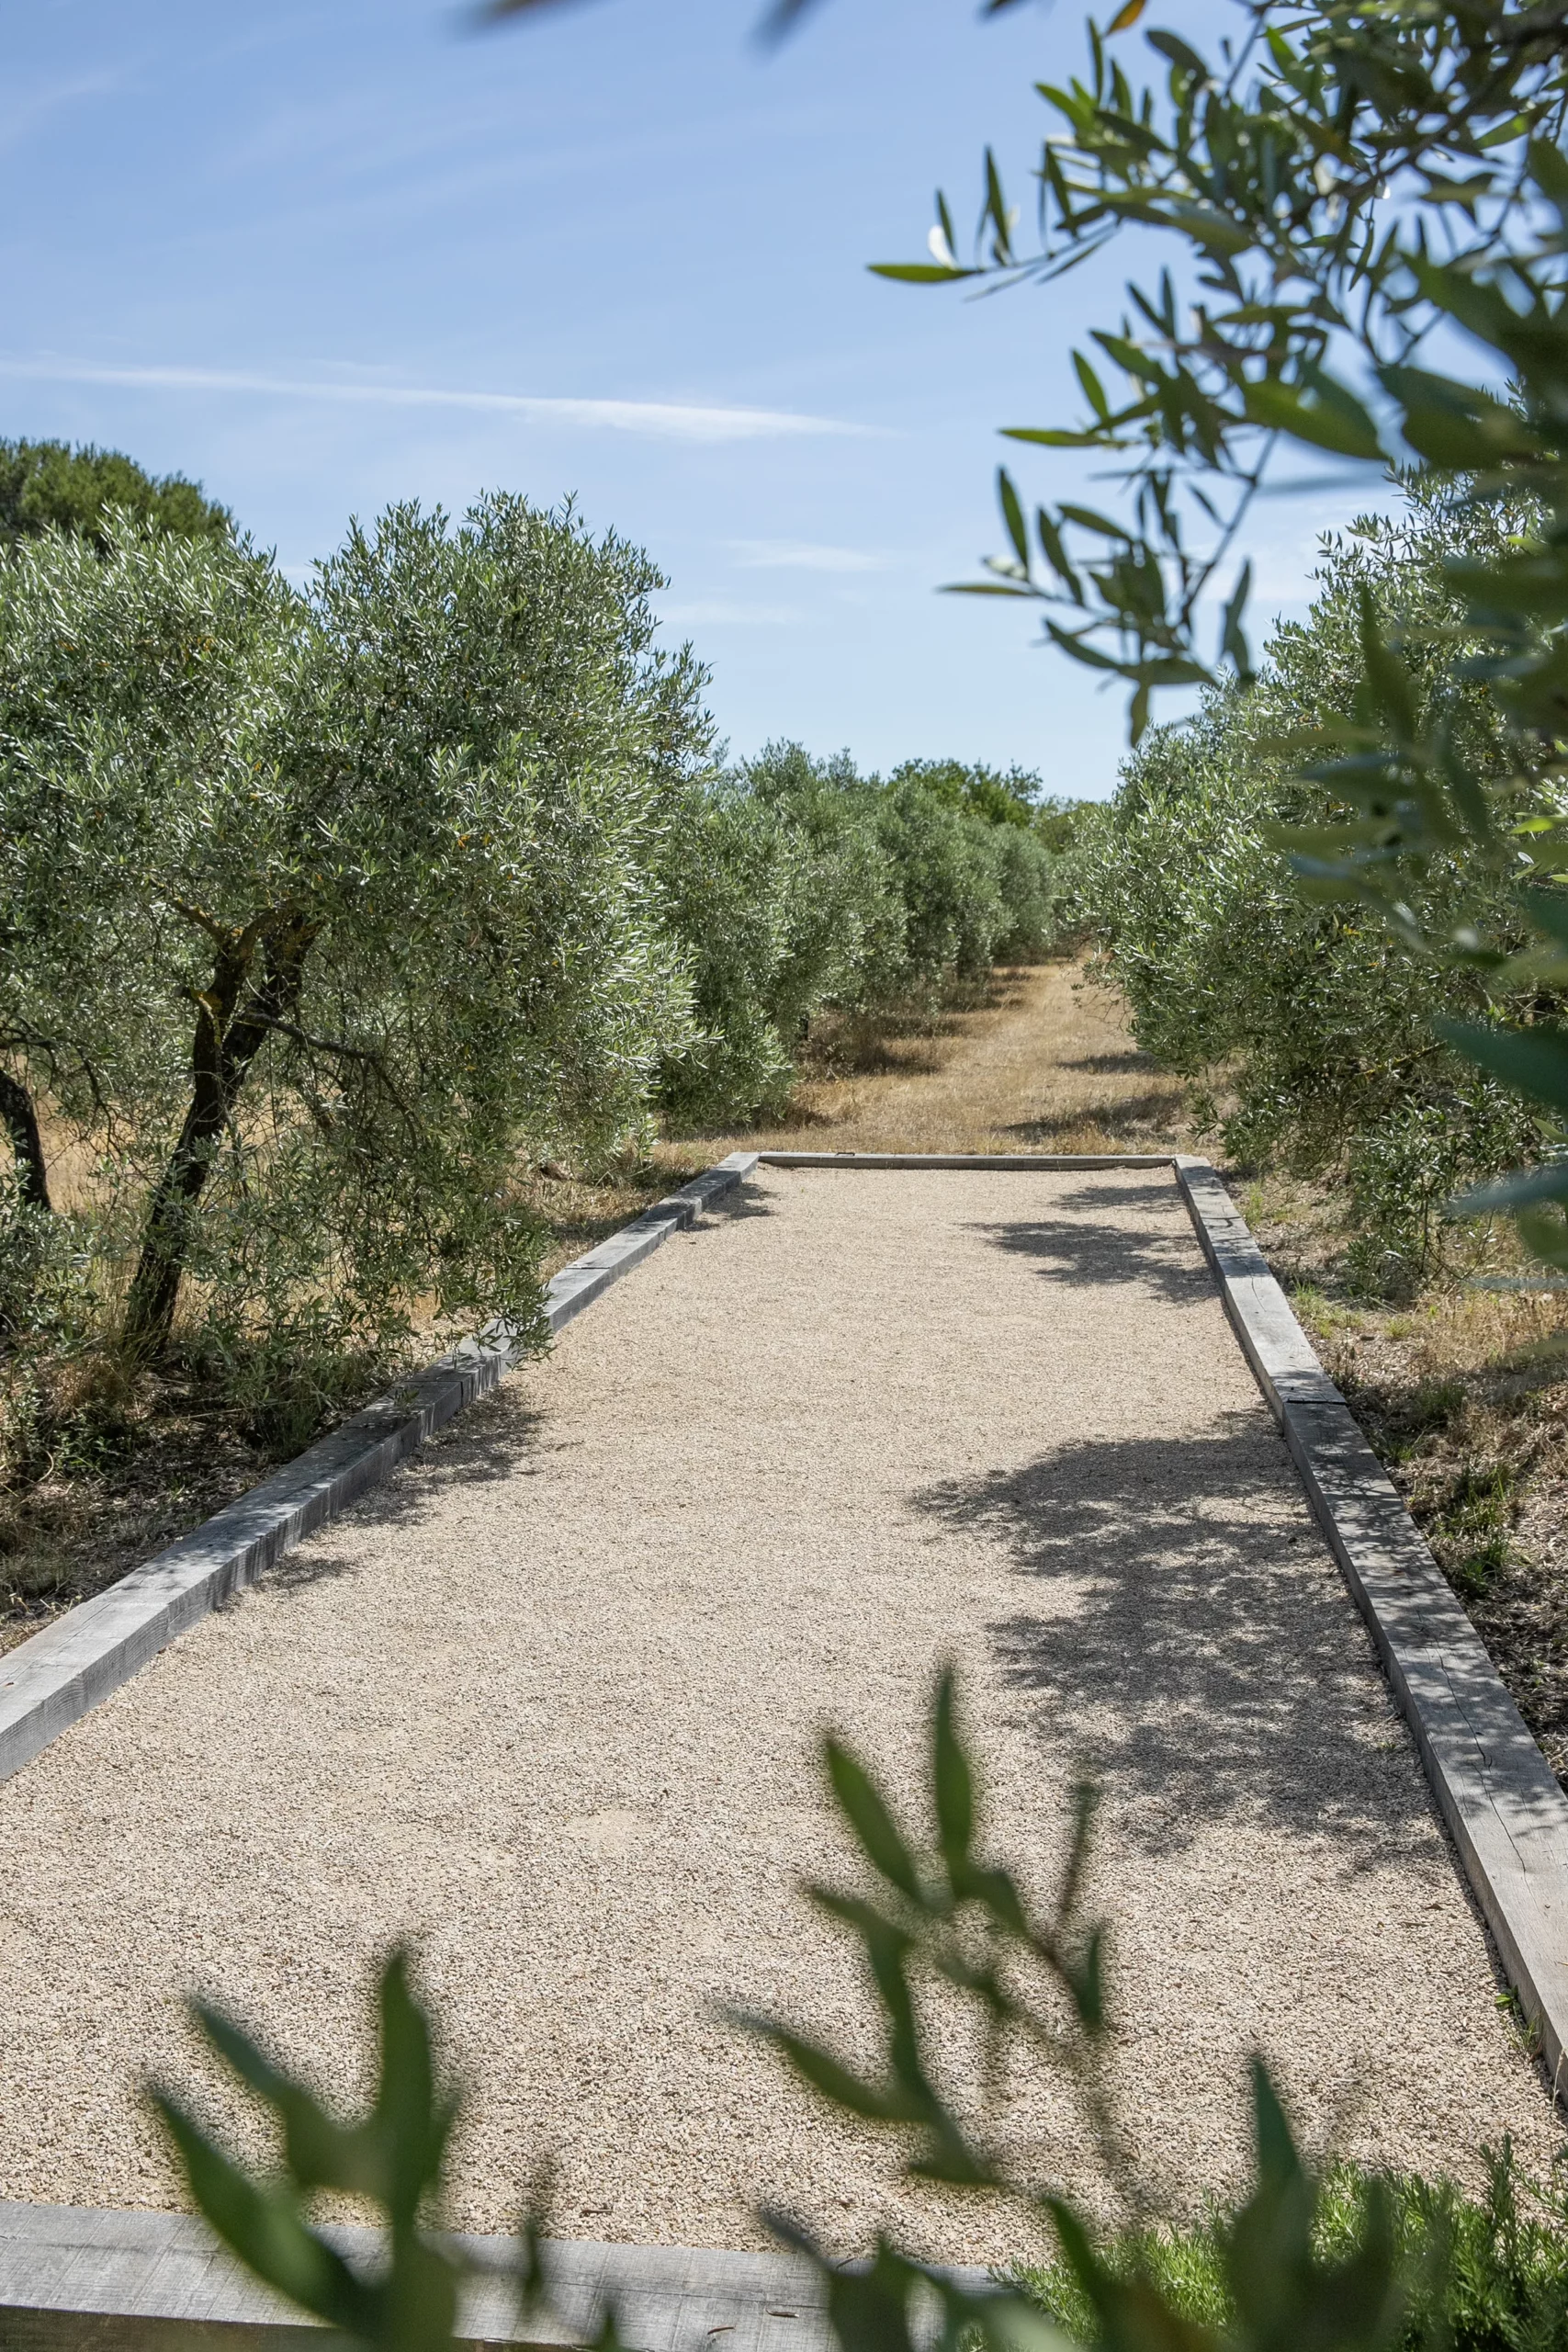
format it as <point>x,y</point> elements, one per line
<point>548,1705</point>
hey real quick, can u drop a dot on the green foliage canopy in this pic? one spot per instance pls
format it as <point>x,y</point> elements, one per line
<point>1316,1013</point>
<point>1342,191</point>
<point>1002,797</point>
<point>324,905</point>
<point>49,486</point>
<point>796,883</point>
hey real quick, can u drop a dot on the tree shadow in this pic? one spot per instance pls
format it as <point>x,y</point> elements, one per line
<point>499,1436</point>
<point>297,1571</point>
<point>1155,1108</point>
<point>1087,1254</point>
<point>1115,1065</point>
<point>743,1200</point>
<point>1206,1663</point>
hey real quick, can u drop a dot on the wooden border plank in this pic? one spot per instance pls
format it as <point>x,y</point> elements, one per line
<point>1019,1162</point>
<point>1495,1790</point>
<point>76,2275</point>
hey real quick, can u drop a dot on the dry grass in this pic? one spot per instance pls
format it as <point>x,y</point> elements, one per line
<point>1041,1061</point>
<point>1463,1394</point>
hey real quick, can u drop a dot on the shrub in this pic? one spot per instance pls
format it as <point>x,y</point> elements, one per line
<point>947,876</point>
<point>45,1310</point>
<point>794,884</point>
<point>1316,1015</point>
<point>1486,2274</point>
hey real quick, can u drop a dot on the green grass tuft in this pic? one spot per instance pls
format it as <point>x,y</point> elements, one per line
<point>1487,2274</point>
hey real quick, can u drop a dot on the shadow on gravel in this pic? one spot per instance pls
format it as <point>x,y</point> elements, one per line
<point>1090,1254</point>
<point>498,1437</point>
<point>741,1201</point>
<point>1203,1663</point>
<point>297,1571</point>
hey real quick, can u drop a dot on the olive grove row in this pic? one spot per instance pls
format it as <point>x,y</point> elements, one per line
<point>329,908</point>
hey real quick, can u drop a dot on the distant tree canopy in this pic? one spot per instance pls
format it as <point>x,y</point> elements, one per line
<point>1001,799</point>
<point>48,485</point>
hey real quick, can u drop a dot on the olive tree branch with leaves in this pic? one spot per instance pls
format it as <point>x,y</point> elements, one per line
<point>1334,181</point>
<point>1353,191</point>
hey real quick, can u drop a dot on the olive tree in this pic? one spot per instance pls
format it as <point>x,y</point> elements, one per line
<point>344,896</point>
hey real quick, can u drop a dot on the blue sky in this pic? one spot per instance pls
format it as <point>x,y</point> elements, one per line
<point>326,257</point>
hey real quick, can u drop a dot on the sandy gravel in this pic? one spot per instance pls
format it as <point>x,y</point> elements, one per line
<point>549,1703</point>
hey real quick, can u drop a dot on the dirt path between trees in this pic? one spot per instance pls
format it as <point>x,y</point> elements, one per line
<point>1047,1064</point>
<point>548,1705</point>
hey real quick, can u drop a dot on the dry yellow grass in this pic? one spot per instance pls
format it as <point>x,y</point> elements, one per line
<point>1462,1392</point>
<point>1046,1063</point>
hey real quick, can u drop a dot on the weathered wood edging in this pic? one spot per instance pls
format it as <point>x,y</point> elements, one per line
<point>58,1674</point>
<point>73,2276</point>
<point>1025,1161</point>
<point>1497,1792</point>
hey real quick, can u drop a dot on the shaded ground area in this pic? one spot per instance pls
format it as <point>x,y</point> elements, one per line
<point>139,1454</point>
<point>550,1704</point>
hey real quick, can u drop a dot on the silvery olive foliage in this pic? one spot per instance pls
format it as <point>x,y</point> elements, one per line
<point>796,883</point>
<point>1312,1013</point>
<point>322,905</point>
<point>1351,221</point>
<point>327,908</point>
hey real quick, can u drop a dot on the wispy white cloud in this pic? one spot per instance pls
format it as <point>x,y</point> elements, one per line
<point>664,420</point>
<point>802,555</point>
<point>1285,540</point>
<point>30,110</point>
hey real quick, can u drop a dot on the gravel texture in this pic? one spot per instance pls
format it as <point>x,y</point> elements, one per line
<point>550,1703</point>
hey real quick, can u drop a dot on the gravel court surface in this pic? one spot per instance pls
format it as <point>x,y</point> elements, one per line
<point>548,1703</point>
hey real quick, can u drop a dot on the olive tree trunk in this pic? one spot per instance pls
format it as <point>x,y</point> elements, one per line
<point>226,1043</point>
<point>21,1124</point>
